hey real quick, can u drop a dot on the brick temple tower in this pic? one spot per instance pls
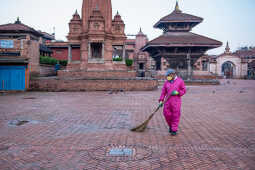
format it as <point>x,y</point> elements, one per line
<point>75,28</point>
<point>97,50</point>
<point>98,35</point>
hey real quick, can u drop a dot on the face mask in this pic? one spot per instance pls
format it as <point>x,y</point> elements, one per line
<point>169,78</point>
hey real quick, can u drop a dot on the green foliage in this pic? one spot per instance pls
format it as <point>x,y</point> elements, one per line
<point>129,62</point>
<point>117,59</point>
<point>52,61</point>
<point>48,60</point>
<point>63,62</point>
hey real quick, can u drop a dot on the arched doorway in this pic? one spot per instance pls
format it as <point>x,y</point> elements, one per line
<point>228,69</point>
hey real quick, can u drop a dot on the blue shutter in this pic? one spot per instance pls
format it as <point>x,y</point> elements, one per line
<point>12,77</point>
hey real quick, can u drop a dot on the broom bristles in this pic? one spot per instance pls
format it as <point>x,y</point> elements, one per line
<point>143,126</point>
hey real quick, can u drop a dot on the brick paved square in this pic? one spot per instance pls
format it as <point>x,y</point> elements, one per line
<point>76,130</point>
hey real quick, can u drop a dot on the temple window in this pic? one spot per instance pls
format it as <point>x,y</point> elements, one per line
<point>96,50</point>
<point>141,66</point>
<point>117,52</point>
<point>204,65</point>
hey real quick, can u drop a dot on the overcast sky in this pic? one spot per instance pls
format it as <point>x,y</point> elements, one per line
<point>224,20</point>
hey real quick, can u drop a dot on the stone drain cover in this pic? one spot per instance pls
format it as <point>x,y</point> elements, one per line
<point>18,122</point>
<point>120,153</point>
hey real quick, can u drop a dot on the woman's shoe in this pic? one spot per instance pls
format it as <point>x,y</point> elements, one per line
<point>174,133</point>
<point>170,130</point>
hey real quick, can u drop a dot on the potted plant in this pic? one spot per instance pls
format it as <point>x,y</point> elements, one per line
<point>129,62</point>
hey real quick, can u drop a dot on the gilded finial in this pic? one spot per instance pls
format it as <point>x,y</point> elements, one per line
<point>177,8</point>
<point>18,21</point>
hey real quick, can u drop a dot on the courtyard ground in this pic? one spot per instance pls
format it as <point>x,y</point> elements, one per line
<point>90,130</point>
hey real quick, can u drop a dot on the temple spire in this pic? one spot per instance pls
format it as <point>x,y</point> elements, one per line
<point>177,8</point>
<point>227,49</point>
<point>140,31</point>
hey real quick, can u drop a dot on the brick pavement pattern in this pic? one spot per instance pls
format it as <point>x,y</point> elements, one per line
<point>89,130</point>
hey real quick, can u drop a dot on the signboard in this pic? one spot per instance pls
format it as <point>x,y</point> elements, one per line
<point>6,44</point>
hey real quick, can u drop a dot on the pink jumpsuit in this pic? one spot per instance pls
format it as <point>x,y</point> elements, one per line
<point>172,107</point>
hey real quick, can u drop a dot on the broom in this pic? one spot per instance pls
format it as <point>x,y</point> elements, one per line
<point>143,126</point>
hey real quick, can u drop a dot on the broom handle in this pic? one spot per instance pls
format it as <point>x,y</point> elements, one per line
<point>159,106</point>
<point>166,98</point>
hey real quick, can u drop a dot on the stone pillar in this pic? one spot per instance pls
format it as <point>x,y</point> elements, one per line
<point>124,52</point>
<point>108,51</point>
<point>89,50</point>
<point>189,65</point>
<point>102,49</point>
<point>69,53</point>
<point>84,53</point>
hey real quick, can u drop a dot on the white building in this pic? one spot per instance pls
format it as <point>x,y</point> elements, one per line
<point>229,65</point>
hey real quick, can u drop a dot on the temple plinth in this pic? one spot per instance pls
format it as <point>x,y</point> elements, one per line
<point>178,46</point>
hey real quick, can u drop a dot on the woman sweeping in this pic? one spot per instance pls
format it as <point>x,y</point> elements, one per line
<point>175,88</point>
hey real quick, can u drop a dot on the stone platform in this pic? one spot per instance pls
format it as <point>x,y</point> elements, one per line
<point>196,82</point>
<point>92,84</point>
<point>94,81</point>
<point>202,82</point>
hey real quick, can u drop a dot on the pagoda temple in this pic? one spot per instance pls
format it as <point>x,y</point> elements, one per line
<point>178,46</point>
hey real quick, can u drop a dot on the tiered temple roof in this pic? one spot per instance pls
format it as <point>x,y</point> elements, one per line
<point>176,39</point>
<point>18,27</point>
<point>177,27</point>
<point>177,16</point>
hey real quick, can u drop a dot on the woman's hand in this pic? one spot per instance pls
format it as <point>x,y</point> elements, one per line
<point>175,93</point>
<point>160,104</point>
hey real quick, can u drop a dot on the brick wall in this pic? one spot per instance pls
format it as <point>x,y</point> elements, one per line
<point>204,77</point>
<point>47,70</point>
<point>97,74</point>
<point>33,55</point>
<point>62,53</point>
<point>52,84</point>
